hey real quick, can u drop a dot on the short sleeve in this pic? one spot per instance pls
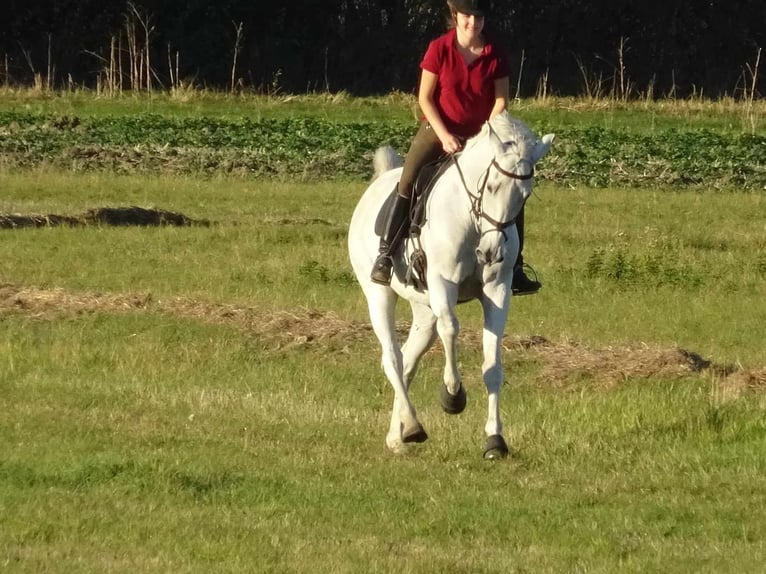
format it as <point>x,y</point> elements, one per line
<point>432,61</point>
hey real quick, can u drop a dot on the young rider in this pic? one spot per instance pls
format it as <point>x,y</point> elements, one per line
<point>463,83</point>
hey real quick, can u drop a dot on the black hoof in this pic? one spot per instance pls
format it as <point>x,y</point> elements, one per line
<point>415,434</point>
<point>452,404</point>
<point>495,447</point>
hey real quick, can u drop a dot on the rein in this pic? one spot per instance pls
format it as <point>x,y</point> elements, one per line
<point>477,209</point>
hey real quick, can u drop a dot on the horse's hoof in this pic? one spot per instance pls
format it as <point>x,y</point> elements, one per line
<point>415,434</point>
<point>495,447</point>
<point>452,404</point>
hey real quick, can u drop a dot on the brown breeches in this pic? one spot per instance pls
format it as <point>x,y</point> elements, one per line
<point>425,148</point>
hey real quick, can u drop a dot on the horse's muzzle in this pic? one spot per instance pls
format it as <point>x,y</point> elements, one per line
<point>489,256</point>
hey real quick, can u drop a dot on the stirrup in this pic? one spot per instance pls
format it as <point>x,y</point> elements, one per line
<point>523,285</point>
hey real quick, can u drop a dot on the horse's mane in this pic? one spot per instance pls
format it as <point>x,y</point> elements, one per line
<point>508,129</point>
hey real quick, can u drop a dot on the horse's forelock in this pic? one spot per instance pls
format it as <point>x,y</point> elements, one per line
<point>510,129</point>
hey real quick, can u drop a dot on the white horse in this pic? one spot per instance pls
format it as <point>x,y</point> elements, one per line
<point>471,245</point>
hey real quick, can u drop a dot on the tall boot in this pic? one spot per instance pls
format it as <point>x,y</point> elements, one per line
<point>396,226</point>
<point>521,284</point>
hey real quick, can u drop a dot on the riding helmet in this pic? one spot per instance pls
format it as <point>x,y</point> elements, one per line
<point>473,7</point>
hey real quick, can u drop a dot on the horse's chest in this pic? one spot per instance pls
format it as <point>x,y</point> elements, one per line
<point>469,289</point>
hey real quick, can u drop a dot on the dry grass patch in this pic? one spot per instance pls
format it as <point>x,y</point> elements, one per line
<point>743,382</point>
<point>297,327</point>
<point>613,364</point>
<point>561,363</point>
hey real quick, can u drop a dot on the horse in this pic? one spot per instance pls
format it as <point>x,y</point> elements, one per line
<point>470,242</point>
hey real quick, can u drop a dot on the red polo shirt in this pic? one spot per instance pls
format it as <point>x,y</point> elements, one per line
<point>464,95</point>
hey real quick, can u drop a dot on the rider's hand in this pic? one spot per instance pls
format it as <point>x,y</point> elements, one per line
<point>452,144</point>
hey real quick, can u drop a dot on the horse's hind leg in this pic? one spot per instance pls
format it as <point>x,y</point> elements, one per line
<point>422,336</point>
<point>443,301</point>
<point>404,426</point>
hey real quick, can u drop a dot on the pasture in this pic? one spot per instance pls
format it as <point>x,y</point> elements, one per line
<point>209,398</point>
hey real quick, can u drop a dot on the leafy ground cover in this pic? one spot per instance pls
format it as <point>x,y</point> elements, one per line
<point>596,153</point>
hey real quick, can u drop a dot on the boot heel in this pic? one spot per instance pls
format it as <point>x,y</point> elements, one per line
<point>381,270</point>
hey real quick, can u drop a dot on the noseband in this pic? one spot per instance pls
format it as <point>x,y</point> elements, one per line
<point>477,200</point>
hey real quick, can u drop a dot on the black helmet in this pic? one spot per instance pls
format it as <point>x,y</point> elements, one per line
<point>473,7</point>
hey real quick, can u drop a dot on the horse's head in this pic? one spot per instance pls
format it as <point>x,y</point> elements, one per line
<point>507,183</point>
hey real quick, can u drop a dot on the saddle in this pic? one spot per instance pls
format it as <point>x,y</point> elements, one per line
<point>427,177</point>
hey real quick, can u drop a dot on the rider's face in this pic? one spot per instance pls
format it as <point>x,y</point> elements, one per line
<point>469,24</point>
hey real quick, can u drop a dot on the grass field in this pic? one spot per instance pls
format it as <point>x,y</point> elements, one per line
<point>197,399</point>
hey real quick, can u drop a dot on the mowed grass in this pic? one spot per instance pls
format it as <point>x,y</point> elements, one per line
<point>133,441</point>
<point>646,265</point>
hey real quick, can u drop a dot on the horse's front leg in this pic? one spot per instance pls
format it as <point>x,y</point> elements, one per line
<point>495,303</point>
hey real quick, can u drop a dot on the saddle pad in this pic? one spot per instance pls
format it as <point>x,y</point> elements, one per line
<point>427,178</point>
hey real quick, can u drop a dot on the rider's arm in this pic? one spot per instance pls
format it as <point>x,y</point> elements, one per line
<point>450,143</point>
<point>501,96</point>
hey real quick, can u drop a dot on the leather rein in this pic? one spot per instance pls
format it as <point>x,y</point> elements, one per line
<point>477,209</point>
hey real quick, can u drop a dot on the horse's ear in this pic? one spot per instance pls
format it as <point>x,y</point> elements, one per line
<point>542,146</point>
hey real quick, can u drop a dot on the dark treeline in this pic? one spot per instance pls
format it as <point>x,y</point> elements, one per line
<point>567,47</point>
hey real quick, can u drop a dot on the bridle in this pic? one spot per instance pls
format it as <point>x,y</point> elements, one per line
<point>477,199</point>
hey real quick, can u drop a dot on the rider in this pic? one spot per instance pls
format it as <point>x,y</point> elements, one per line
<point>463,83</point>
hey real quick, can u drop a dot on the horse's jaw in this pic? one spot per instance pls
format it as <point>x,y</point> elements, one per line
<point>498,239</point>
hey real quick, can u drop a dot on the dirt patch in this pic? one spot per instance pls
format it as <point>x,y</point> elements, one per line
<point>561,362</point>
<point>108,216</point>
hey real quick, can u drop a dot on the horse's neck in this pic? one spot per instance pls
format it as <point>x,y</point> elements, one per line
<point>452,196</point>
<point>473,162</point>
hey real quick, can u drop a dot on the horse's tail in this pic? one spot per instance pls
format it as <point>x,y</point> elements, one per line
<point>386,158</point>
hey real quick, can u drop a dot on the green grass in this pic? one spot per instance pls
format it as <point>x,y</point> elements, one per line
<point>618,265</point>
<point>137,443</point>
<point>135,439</point>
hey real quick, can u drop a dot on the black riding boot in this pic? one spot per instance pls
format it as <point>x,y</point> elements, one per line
<point>521,284</point>
<point>396,226</point>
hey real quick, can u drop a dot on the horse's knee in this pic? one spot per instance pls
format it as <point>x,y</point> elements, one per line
<point>493,378</point>
<point>391,355</point>
<point>448,326</point>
